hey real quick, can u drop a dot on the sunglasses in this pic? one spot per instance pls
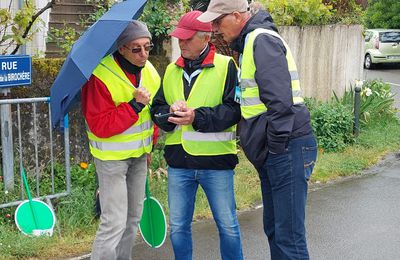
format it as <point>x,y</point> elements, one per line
<point>147,48</point>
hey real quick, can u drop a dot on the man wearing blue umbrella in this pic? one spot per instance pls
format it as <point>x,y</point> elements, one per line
<point>115,104</point>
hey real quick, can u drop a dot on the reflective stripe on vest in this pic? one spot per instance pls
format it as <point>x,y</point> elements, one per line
<point>251,105</point>
<point>127,146</point>
<point>215,137</point>
<point>137,139</point>
<point>135,128</point>
<point>207,91</point>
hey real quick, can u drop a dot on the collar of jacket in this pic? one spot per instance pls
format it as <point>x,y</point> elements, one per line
<point>207,62</point>
<point>262,19</point>
<point>126,65</point>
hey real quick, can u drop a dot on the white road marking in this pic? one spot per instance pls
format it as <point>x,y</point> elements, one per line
<point>394,84</point>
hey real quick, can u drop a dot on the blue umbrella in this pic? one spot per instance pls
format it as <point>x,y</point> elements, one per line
<point>86,53</point>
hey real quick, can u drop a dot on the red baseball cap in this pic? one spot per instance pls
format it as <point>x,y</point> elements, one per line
<point>188,25</point>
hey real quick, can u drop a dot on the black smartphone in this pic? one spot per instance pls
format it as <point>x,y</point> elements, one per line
<point>166,115</point>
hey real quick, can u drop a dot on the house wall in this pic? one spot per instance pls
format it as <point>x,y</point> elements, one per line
<point>37,46</point>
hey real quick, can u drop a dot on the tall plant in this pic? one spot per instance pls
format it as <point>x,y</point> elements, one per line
<point>376,100</point>
<point>383,14</point>
<point>314,12</point>
<point>160,15</point>
<point>299,12</point>
<point>16,27</point>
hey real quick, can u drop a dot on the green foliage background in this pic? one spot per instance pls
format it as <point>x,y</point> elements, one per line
<point>314,12</point>
<point>17,23</point>
<point>383,14</point>
<point>333,121</point>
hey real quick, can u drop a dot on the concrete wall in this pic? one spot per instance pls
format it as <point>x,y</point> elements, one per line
<point>329,58</point>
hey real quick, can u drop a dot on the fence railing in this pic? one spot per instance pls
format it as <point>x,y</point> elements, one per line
<point>27,132</point>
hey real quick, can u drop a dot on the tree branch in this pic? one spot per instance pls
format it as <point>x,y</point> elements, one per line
<point>34,17</point>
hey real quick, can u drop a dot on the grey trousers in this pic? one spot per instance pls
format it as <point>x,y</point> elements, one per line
<point>122,188</point>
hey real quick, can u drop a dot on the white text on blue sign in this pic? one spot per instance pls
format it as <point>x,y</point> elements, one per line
<point>15,70</point>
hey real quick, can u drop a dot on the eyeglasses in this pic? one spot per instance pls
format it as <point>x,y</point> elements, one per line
<point>218,21</point>
<point>147,48</point>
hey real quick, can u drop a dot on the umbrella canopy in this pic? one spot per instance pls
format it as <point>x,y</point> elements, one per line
<point>86,53</point>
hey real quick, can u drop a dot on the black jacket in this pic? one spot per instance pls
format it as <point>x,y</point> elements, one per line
<point>270,131</point>
<point>207,119</point>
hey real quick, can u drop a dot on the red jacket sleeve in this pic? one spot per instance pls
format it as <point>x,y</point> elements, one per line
<point>103,118</point>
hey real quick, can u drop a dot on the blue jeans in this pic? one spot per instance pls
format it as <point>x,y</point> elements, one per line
<point>284,191</point>
<point>218,187</point>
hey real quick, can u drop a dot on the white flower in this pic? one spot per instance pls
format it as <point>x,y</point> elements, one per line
<point>368,92</point>
<point>359,83</point>
<point>6,192</point>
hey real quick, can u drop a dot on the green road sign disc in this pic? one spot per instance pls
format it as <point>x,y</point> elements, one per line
<point>35,218</point>
<point>153,225</point>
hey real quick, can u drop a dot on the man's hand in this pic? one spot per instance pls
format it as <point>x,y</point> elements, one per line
<point>179,105</point>
<point>185,117</point>
<point>142,95</point>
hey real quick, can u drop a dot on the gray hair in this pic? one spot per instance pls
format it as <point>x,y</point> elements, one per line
<point>203,34</point>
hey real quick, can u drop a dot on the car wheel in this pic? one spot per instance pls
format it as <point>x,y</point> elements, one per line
<point>368,62</point>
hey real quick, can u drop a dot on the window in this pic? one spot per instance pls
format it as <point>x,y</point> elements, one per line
<point>368,36</point>
<point>389,37</point>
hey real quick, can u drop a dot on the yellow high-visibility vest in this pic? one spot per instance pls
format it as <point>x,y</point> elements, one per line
<point>251,105</point>
<point>137,139</point>
<point>207,91</point>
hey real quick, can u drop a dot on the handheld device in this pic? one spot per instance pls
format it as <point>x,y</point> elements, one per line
<point>166,115</point>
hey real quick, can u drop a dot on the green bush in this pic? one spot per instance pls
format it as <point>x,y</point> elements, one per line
<point>299,12</point>
<point>346,12</point>
<point>332,123</point>
<point>314,12</point>
<point>383,14</point>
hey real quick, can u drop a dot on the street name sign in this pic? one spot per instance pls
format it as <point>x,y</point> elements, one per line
<point>15,70</point>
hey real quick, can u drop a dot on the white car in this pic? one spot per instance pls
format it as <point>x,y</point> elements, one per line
<point>381,46</point>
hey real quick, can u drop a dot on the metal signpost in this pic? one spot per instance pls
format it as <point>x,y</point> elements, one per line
<point>15,70</point>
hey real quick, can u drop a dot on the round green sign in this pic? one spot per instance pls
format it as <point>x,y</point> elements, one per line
<point>35,218</point>
<point>153,225</point>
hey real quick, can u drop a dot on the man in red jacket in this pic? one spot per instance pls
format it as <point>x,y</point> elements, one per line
<point>115,104</point>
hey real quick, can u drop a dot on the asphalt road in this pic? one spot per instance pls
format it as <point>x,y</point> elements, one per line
<point>353,219</point>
